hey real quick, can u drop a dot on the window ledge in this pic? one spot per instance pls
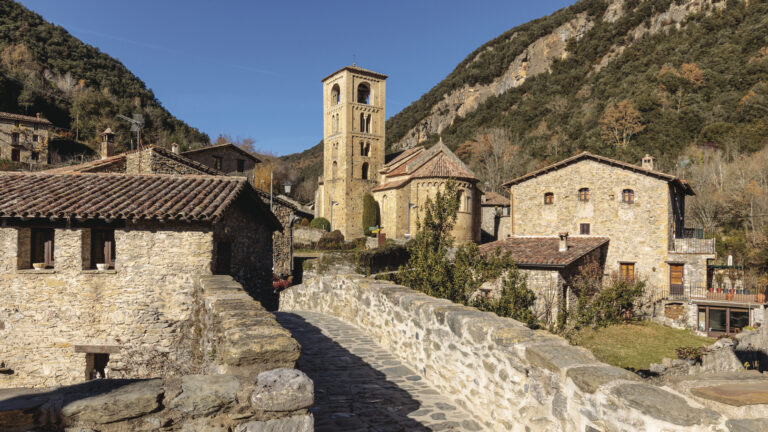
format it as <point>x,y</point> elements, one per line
<point>33,271</point>
<point>110,271</point>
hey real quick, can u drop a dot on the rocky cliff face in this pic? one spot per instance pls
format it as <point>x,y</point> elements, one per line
<point>538,57</point>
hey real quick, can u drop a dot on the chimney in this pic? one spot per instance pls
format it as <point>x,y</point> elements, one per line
<point>39,115</point>
<point>563,246</point>
<point>648,162</point>
<point>175,148</point>
<point>107,143</point>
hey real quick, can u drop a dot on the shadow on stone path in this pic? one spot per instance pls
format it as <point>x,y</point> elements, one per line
<point>359,386</point>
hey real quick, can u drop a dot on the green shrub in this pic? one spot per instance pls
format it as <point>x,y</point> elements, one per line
<point>320,223</point>
<point>333,240</point>
<point>371,214</point>
<point>387,258</point>
<point>690,353</point>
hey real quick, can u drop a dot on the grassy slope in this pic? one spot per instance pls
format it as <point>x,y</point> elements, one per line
<point>636,346</point>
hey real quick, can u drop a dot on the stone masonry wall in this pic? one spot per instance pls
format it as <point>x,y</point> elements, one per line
<point>639,232</point>
<point>140,307</point>
<point>518,378</point>
<point>248,382</point>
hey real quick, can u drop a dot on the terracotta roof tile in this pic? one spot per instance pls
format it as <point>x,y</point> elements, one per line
<point>112,196</point>
<point>220,146</point>
<point>117,163</point>
<point>586,155</point>
<point>494,199</point>
<point>26,118</point>
<point>544,251</point>
<point>442,165</point>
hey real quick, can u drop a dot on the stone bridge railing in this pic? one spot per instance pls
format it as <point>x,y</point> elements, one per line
<point>514,377</point>
<point>245,381</point>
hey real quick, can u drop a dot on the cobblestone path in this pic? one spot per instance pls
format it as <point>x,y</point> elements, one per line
<point>359,386</point>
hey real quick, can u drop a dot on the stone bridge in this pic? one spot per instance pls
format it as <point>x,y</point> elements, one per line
<point>387,358</point>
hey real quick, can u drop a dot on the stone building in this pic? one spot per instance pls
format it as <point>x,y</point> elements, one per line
<point>24,138</point>
<point>642,212</point>
<point>353,146</point>
<point>149,160</point>
<point>417,174</point>
<point>549,263</point>
<point>97,269</point>
<point>494,216</point>
<point>227,158</point>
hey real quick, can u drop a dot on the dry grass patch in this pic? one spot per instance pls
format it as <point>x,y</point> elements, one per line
<point>636,346</point>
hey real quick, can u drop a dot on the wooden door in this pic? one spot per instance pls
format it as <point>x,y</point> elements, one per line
<point>676,279</point>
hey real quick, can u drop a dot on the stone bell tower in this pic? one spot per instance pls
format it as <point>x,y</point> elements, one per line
<point>353,154</point>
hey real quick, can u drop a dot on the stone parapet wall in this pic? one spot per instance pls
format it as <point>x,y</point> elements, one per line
<point>248,381</point>
<point>304,237</point>
<point>518,378</point>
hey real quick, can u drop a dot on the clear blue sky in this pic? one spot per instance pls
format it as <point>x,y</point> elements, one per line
<point>253,68</point>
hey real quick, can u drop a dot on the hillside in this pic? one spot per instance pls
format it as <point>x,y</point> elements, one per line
<point>671,73</point>
<point>80,89</point>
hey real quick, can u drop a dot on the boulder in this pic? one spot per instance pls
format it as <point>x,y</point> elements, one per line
<point>283,390</point>
<point>126,402</point>
<point>302,423</point>
<point>206,394</point>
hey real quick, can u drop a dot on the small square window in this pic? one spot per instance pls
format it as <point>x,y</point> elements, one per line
<point>627,271</point>
<point>549,198</point>
<point>35,138</point>
<point>41,247</point>
<point>584,194</point>
<point>584,229</point>
<point>102,248</point>
<point>628,196</point>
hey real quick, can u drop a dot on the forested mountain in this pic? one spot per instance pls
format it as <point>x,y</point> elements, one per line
<point>80,89</point>
<point>682,80</point>
<point>680,72</point>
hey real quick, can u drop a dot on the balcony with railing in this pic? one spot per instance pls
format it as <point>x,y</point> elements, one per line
<point>693,241</point>
<point>701,294</point>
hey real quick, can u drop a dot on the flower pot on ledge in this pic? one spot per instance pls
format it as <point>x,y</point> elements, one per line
<point>38,266</point>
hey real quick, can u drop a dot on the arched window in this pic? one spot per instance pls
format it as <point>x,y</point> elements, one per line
<point>362,122</point>
<point>335,94</point>
<point>549,198</point>
<point>334,169</point>
<point>584,194</point>
<point>368,123</point>
<point>628,196</point>
<point>363,93</point>
<point>364,171</point>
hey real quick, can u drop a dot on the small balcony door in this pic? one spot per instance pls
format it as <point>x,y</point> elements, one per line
<point>676,279</point>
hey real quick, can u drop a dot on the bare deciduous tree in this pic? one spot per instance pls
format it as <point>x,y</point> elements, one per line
<point>620,122</point>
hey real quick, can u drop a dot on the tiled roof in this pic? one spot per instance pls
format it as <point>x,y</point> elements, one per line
<point>221,146</point>
<point>544,251</point>
<point>359,70</point>
<point>391,185</point>
<point>26,118</point>
<point>118,162</point>
<point>402,157</point>
<point>110,196</point>
<point>602,159</point>
<point>494,199</point>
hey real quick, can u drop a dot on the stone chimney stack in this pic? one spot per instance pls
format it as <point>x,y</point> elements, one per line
<point>648,162</point>
<point>563,246</point>
<point>107,143</point>
<point>175,148</point>
<point>39,115</point>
